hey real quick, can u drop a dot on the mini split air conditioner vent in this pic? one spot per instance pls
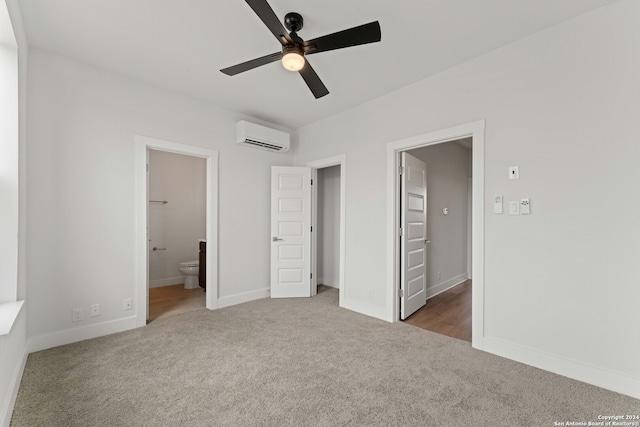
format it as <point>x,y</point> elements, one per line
<point>261,137</point>
<point>265,145</point>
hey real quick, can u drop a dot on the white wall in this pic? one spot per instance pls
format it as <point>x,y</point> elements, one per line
<point>563,105</point>
<point>447,173</point>
<point>178,225</point>
<point>14,53</point>
<point>329,226</point>
<point>8,168</point>
<point>81,213</point>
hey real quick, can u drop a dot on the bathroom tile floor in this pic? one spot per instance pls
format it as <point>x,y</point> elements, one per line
<point>174,299</point>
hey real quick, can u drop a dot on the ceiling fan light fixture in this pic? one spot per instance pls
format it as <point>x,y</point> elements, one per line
<point>293,60</point>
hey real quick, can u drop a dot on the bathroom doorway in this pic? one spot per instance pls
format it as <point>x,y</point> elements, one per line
<point>144,248</point>
<point>177,226</point>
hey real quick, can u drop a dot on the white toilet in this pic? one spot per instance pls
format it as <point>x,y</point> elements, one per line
<point>190,269</point>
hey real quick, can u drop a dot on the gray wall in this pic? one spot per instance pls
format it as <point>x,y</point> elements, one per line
<point>447,173</point>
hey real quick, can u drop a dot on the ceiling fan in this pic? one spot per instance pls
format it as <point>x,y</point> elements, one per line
<point>294,48</point>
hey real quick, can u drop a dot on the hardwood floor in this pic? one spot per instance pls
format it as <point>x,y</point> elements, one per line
<point>448,313</point>
<point>168,300</point>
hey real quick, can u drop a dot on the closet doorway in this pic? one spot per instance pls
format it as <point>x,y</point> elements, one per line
<point>327,227</point>
<point>446,262</point>
<point>328,224</point>
<point>475,131</point>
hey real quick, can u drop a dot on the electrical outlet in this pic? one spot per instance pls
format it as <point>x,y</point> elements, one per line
<point>76,314</point>
<point>95,310</point>
<point>128,305</point>
<point>439,275</point>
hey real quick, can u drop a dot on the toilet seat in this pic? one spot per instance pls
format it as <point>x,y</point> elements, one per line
<point>194,263</point>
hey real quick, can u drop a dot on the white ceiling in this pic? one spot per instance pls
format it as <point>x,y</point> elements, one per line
<point>182,45</point>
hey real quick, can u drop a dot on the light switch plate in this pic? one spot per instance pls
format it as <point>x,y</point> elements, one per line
<point>514,207</point>
<point>514,172</point>
<point>525,206</point>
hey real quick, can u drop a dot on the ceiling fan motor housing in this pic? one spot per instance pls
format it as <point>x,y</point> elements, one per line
<point>293,22</point>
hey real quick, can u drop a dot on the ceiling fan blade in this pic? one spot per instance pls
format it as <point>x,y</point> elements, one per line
<point>313,81</point>
<point>363,34</point>
<point>268,16</point>
<point>250,65</point>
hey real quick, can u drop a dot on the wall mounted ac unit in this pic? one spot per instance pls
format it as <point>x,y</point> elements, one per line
<point>261,137</point>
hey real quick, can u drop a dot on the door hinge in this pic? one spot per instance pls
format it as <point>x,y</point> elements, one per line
<point>401,170</point>
<point>311,276</point>
<point>311,182</point>
<point>401,293</point>
<point>401,231</point>
<point>312,229</point>
<point>147,167</point>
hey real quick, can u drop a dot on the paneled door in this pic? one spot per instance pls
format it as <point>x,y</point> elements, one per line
<point>413,240</point>
<point>290,232</point>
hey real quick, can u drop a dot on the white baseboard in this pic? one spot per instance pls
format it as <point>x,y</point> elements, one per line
<point>158,283</point>
<point>243,297</point>
<point>13,388</point>
<point>328,282</point>
<point>604,378</point>
<point>68,336</point>
<point>13,357</point>
<point>447,284</point>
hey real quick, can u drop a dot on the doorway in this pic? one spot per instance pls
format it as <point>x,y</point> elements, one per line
<point>177,226</point>
<point>328,218</point>
<point>294,228</point>
<point>474,130</point>
<point>328,225</point>
<point>446,305</point>
<point>142,248</point>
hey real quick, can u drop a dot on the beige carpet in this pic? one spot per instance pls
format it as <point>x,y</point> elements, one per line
<point>295,362</point>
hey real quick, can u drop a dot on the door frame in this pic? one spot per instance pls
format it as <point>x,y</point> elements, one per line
<point>339,160</point>
<point>476,131</point>
<point>142,145</point>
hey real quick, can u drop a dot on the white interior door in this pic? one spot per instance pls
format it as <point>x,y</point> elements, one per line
<point>413,240</point>
<point>290,232</point>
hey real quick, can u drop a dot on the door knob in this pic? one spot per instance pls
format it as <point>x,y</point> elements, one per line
<point>276,239</point>
<point>427,241</point>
